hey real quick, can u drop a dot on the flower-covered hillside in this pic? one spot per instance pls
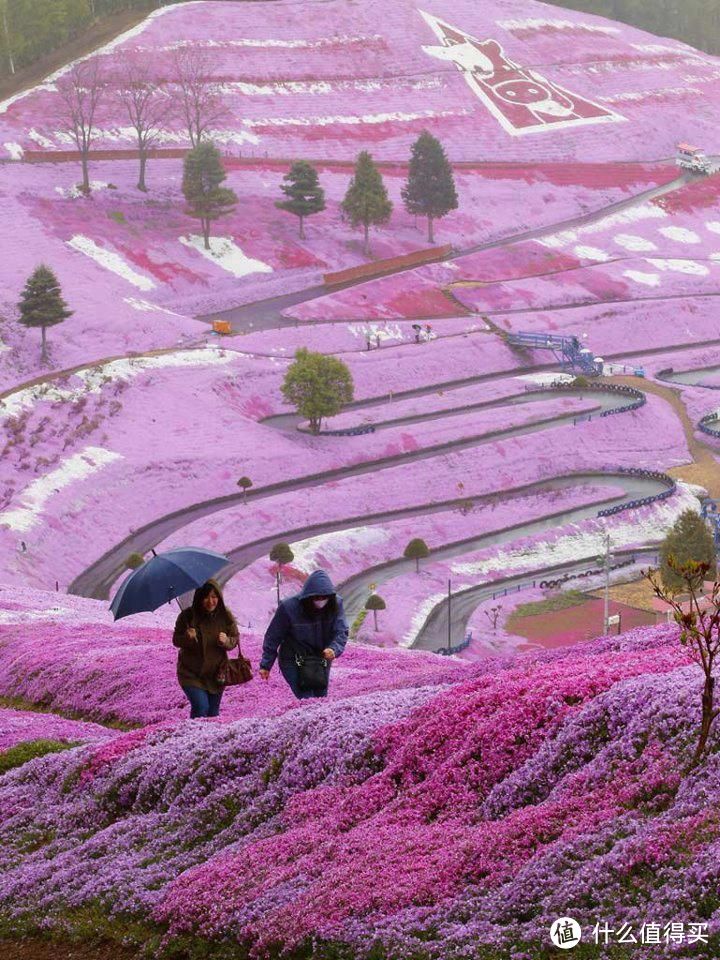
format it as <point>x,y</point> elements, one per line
<point>483,77</point>
<point>444,821</point>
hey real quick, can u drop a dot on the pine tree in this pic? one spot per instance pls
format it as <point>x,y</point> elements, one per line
<point>317,385</point>
<point>202,175</point>
<point>304,194</point>
<point>430,188</point>
<point>366,202</point>
<point>689,539</point>
<point>42,305</point>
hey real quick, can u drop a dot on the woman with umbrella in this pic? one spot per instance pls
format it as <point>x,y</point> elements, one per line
<point>203,634</point>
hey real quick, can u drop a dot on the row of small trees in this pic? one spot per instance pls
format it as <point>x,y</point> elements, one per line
<point>429,191</point>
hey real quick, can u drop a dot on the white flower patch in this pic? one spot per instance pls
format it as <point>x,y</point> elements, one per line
<point>681,234</point>
<point>637,244</point>
<point>226,254</point>
<point>335,547</point>
<point>643,211</point>
<point>15,151</point>
<point>690,267</point>
<point>420,617</point>
<point>536,23</point>
<point>647,525</point>
<point>715,256</point>
<point>545,378</point>
<point>354,119</point>
<point>648,279</point>
<point>298,44</point>
<point>75,192</point>
<point>39,138</point>
<point>94,378</point>
<point>384,331</point>
<point>146,307</point>
<point>111,261</point>
<point>591,253</point>
<point>35,496</point>
<point>713,226</point>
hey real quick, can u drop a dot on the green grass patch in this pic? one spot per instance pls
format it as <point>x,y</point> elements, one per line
<point>22,752</point>
<point>20,703</point>
<point>117,215</point>
<point>559,601</point>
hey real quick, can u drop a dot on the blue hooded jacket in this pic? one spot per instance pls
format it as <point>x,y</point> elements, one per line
<point>293,629</point>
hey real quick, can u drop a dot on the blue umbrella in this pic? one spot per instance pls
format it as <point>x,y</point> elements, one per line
<point>164,577</point>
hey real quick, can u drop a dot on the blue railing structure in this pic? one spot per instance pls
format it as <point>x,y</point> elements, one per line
<point>456,647</point>
<point>707,422</point>
<point>568,351</point>
<point>639,398</point>
<point>664,478</point>
<point>348,431</point>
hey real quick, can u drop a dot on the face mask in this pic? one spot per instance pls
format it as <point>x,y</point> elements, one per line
<point>319,602</point>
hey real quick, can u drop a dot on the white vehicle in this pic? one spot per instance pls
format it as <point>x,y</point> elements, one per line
<point>693,159</point>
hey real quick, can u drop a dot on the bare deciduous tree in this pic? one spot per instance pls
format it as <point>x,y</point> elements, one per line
<point>200,98</point>
<point>81,91</point>
<point>147,104</point>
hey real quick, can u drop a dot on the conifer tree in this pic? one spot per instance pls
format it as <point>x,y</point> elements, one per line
<point>366,202</point>
<point>203,173</point>
<point>304,194</point>
<point>689,540</point>
<point>42,305</point>
<point>430,188</point>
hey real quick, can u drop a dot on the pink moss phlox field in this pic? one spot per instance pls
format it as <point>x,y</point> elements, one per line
<point>19,726</point>
<point>493,786</point>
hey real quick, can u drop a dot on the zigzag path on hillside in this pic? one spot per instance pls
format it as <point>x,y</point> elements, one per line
<point>267,314</point>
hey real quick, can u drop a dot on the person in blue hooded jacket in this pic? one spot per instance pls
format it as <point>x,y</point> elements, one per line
<point>307,632</point>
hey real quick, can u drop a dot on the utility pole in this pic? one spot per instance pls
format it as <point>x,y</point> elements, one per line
<point>606,564</point>
<point>449,645</point>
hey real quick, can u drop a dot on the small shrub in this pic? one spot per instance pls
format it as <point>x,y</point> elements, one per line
<point>117,215</point>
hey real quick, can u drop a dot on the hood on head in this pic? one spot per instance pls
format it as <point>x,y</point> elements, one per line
<point>318,584</point>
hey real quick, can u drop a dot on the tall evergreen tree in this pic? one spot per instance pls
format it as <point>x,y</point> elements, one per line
<point>304,194</point>
<point>366,202</point>
<point>430,188</point>
<point>42,305</point>
<point>317,385</point>
<point>689,540</point>
<point>202,175</point>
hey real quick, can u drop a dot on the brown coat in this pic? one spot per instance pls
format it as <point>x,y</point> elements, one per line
<point>198,660</point>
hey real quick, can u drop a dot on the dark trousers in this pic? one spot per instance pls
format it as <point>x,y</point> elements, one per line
<point>288,668</point>
<point>202,703</point>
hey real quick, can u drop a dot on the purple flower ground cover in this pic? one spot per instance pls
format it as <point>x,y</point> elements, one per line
<point>444,820</point>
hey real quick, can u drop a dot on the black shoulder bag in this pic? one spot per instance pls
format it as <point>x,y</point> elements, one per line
<point>313,673</point>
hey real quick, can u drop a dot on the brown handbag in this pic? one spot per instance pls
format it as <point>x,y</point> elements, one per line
<point>236,671</point>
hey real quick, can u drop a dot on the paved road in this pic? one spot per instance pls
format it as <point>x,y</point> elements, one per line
<point>356,589</point>
<point>97,579</point>
<point>267,314</point>
<point>434,633</point>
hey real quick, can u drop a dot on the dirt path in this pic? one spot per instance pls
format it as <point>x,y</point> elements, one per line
<point>704,469</point>
<point>95,36</point>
